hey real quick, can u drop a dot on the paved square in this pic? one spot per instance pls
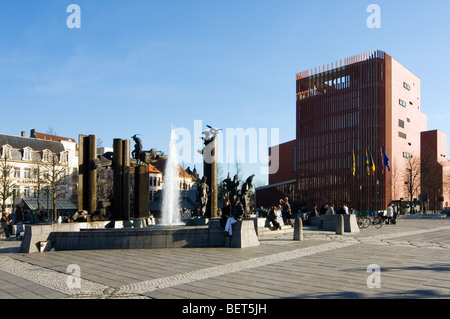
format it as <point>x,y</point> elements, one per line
<point>413,259</point>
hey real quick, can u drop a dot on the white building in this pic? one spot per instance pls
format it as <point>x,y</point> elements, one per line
<point>28,156</point>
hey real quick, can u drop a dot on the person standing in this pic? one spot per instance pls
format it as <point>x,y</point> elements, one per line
<point>19,220</point>
<point>389,214</point>
<point>5,221</point>
<point>272,217</point>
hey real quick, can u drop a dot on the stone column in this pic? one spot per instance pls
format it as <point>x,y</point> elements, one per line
<point>210,171</point>
<point>87,175</point>
<point>141,191</point>
<point>121,180</point>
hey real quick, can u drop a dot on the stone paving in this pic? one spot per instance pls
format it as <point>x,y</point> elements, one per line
<point>413,257</point>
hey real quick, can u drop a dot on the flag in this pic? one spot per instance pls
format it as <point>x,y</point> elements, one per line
<point>370,164</point>
<point>382,161</point>
<point>386,160</point>
<point>354,164</point>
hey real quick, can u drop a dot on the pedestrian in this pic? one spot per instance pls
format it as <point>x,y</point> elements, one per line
<point>5,221</point>
<point>237,216</point>
<point>226,213</point>
<point>19,220</point>
<point>272,217</point>
<point>286,211</point>
<point>314,211</point>
<point>330,210</point>
<point>345,207</point>
<point>389,214</point>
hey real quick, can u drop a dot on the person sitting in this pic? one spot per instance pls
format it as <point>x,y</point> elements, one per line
<point>237,216</point>
<point>226,213</point>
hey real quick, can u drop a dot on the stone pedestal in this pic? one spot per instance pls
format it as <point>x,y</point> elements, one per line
<point>244,235</point>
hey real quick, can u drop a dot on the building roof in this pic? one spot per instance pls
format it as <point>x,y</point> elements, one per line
<point>18,143</point>
<point>50,137</point>
<point>161,166</point>
<point>151,169</point>
<point>62,204</point>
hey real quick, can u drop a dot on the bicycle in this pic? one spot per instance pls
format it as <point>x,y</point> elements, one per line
<point>365,221</point>
<point>377,222</point>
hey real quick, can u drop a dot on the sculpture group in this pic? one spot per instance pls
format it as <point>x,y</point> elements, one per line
<point>120,162</point>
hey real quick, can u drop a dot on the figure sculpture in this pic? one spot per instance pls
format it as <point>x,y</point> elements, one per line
<point>202,195</point>
<point>245,194</point>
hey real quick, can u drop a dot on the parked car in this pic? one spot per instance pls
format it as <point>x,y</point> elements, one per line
<point>446,210</point>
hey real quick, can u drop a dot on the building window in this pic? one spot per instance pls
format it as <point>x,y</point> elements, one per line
<point>45,156</point>
<point>295,159</point>
<point>64,158</point>
<point>7,152</point>
<point>16,172</point>
<point>402,103</point>
<point>406,155</point>
<point>406,86</point>
<point>27,172</point>
<point>27,154</point>
<point>402,135</point>
<point>27,192</point>
<point>401,123</point>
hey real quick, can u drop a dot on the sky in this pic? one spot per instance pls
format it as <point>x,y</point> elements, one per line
<point>143,67</point>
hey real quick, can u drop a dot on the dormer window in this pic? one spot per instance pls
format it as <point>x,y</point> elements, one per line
<point>64,158</point>
<point>46,156</point>
<point>6,151</point>
<point>27,154</point>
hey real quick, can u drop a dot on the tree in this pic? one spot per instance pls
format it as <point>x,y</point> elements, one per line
<point>6,182</point>
<point>56,177</point>
<point>411,178</point>
<point>39,182</point>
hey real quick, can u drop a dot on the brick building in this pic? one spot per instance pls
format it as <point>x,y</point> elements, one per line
<point>349,113</point>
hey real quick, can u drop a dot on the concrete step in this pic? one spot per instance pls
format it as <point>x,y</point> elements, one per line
<point>266,231</point>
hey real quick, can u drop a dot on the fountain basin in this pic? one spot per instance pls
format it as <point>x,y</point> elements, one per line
<point>152,237</point>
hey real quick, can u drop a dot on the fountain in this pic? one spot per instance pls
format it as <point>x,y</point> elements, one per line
<point>120,232</point>
<point>171,192</point>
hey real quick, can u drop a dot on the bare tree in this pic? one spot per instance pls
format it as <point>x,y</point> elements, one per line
<point>411,178</point>
<point>104,183</point>
<point>395,179</point>
<point>6,182</point>
<point>56,177</point>
<point>39,182</point>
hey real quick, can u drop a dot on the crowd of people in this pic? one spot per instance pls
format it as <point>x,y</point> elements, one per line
<point>18,217</point>
<point>283,210</point>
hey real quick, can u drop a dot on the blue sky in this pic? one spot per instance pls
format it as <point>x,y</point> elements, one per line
<point>143,66</point>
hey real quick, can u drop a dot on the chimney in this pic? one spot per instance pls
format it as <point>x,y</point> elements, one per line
<point>22,134</point>
<point>32,135</point>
